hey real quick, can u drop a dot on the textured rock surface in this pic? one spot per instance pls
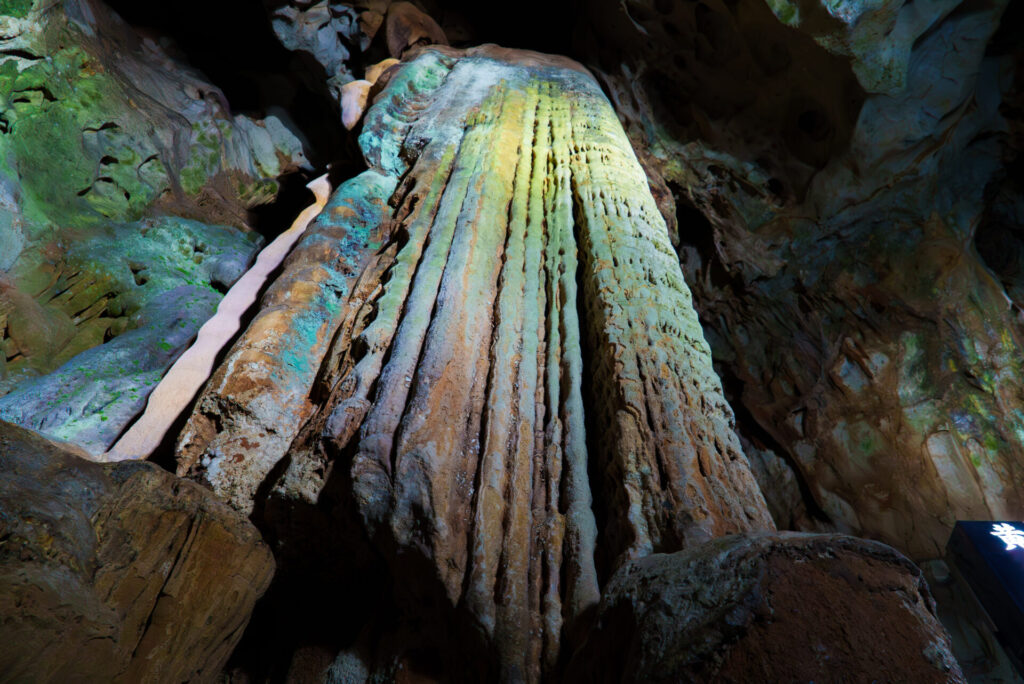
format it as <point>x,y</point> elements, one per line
<point>179,387</point>
<point>327,31</point>
<point>117,573</point>
<point>343,38</point>
<point>108,327</point>
<point>829,238</point>
<point>258,398</point>
<point>442,361</point>
<point>115,165</point>
<point>475,417</point>
<point>768,608</point>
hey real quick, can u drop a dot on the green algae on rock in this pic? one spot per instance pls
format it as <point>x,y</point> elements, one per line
<point>89,387</point>
<point>99,129</point>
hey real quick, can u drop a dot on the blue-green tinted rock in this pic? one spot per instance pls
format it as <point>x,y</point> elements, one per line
<point>169,274</point>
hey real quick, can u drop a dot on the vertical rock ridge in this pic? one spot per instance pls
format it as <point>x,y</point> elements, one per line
<point>674,461</point>
<point>255,403</point>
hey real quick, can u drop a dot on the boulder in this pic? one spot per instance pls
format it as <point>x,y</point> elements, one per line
<point>781,607</point>
<point>117,573</point>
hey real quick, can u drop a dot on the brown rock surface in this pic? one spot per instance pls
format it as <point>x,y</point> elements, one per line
<point>408,26</point>
<point>120,573</point>
<point>768,608</point>
<point>841,223</point>
<point>258,398</point>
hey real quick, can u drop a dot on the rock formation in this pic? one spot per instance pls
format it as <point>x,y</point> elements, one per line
<point>435,349</point>
<point>827,211</point>
<point>738,609</point>
<point>531,396</point>
<point>179,387</point>
<point>119,169</point>
<point>118,573</point>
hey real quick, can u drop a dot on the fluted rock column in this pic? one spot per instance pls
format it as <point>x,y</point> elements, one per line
<point>521,327</point>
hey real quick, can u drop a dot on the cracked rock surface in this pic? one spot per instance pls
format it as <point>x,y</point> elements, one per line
<point>117,573</point>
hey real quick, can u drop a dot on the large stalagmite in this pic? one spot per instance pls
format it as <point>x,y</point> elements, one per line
<point>472,431</point>
<point>490,330</point>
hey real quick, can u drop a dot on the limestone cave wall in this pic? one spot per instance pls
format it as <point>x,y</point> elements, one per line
<point>638,340</point>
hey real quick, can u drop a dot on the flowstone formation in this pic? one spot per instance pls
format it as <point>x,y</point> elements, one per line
<point>124,185</point>
<point>481,367</point>
<point>472,429</point>
<point>454,385</point>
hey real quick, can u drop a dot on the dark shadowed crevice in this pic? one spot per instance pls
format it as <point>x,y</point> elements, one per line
<point>999,237</point>
<point>509,24</point>
<point>696,248</point>
<point>594,431</point>
<point>708,278</point>
<point>327,570</point>
<point>273,218</point>
<point>231,42</point>
<point>748,426</point>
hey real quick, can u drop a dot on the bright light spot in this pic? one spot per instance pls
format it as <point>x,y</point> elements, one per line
<point>1013,537</point>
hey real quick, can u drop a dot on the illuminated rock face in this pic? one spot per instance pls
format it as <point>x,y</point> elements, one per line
<point>874,355</point>
<point>475,415</point>
<point>872,613</point>
<point>117,573</point>
<point>486,346</point>
<point>124,185</point>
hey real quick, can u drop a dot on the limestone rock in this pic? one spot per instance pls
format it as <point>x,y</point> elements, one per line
<point>258,398</point>
<point>831,256</point>
<point>127,320</point>
<point>353,101</point>
<point>176,390</point>
<point>515,290</point>
<point>375,71</point>
<point>119,573</point>
<point>878,36</point>
<point>124,186</point>
<point>408,26</point>
<point>768,608</point>
<point>326,30</point>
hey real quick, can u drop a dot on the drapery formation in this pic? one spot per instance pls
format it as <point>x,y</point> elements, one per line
<point>510,342</point>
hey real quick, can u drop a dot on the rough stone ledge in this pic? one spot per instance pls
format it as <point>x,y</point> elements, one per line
<point>119,572</point>
<point>769,607</point>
